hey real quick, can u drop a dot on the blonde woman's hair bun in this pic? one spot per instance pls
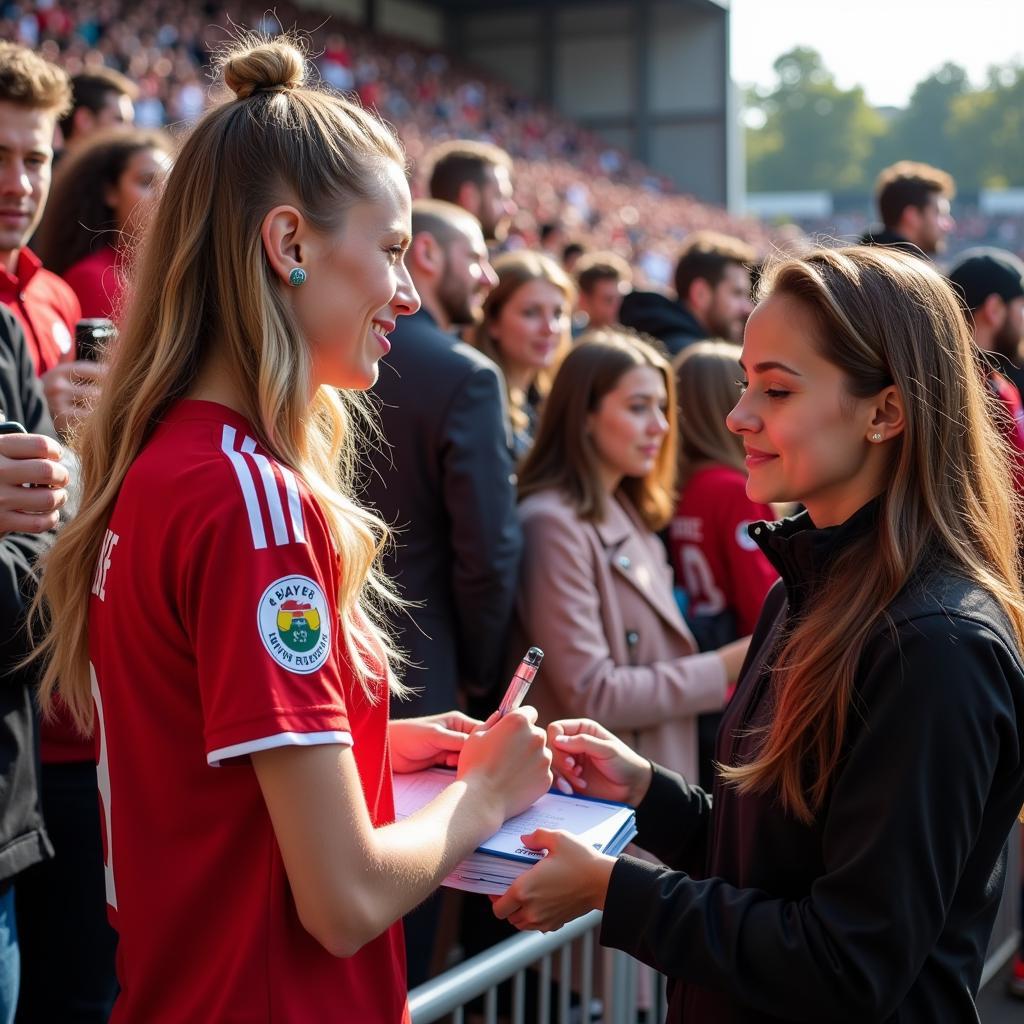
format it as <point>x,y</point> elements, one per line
<point>263,66</point>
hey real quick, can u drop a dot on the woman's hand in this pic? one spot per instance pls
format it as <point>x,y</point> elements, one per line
<point>569,882</point>
<point>418,743</point>
<point>509,757</point>
<point>596,762</point>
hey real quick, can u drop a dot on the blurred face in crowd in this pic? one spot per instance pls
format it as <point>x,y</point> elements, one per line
<point>928,226</point>
<point>117,111</point>
<point>358,285</point>
<point>805,435</point>
<point>26,159</point>
<point>723,309</point>
<point>467,276</point>
<point>1006,340</point>
<point>629,426</point>
<point>496,207</point>
<point>135,192</point>
<point>529,329</point>
<point>602,302</point>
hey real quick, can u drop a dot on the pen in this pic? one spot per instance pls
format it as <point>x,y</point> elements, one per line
<point>521,680</point>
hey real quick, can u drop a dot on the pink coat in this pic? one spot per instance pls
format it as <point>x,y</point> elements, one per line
<point>598,599</point>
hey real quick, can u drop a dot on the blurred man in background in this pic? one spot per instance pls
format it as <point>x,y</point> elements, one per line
<point>101,99</point>
<point>712,281</point>
<point>913,203</point>
<point>602,279</point>
<point>478,177</point>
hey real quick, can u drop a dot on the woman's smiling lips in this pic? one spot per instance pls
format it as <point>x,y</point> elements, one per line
<point>381,330</point>
<point>755,457</point>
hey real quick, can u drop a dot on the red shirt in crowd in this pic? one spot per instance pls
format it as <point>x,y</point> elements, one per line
<point>96,281</point>
<point>716,562</point>
<point>1012,425</point>
<point>45,306</point>
<point>212,635</point>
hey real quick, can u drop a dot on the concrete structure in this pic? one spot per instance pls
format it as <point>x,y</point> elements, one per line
<point>651,76</point>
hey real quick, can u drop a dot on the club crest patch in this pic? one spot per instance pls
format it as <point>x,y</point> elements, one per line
<point>295,624</point>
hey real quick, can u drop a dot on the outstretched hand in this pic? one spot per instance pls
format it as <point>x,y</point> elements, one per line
<point>596,762</point>
<point>570,881</point>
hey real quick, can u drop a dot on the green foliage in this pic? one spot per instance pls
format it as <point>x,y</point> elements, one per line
<point>808,133</point>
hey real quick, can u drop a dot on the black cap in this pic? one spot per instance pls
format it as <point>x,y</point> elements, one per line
<point>980,273</point>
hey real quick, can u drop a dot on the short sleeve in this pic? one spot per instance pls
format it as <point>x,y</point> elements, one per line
<point>261,611</point>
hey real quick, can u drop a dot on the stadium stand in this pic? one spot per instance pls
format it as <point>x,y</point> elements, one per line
<point>605,199</point>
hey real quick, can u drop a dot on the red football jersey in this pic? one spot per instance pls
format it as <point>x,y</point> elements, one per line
<point>715,561</point>
<point>213,634</point>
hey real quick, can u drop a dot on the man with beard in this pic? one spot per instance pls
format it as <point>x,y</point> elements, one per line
<point>713,300</point>
<point>478,177</point>
<point>913,202</point>
<point>444,480</point>
<point>990,283</point>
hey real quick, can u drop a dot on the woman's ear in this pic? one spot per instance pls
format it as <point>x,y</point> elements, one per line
<point>888,415</point>
<point>283,235</point>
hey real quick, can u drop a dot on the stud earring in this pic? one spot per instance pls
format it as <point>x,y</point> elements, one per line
<point>297,277</point>
<point>876,437</point>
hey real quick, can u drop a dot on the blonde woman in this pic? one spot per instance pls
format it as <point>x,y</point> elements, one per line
<point>851,863</point>
<point>526,330</point>
<point>213,604</point>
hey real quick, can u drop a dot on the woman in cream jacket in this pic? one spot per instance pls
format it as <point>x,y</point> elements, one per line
<point>596,589</point>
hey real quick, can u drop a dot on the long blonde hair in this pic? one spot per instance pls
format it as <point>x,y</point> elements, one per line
<point>515,269</point>
<point>887,318</point>
<point>708,377</point>
<point>564,458</point>
<point>203,279</point>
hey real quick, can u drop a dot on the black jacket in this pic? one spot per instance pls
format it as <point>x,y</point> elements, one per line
<point>880,910</point>
<point>662,318</point>
<point>23,840</point>
<point>446,484</point>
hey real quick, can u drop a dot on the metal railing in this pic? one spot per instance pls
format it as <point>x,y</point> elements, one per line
<point>624,983</point>
<point>625,986</point>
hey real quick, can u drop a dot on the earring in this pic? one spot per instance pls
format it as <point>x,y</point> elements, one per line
<point>297,277</point>
<point>876,437</point>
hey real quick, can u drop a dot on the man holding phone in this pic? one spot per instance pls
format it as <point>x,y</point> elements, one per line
<point>33,95</point>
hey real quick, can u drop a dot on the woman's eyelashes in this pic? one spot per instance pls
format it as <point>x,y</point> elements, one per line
<point>774,393</point>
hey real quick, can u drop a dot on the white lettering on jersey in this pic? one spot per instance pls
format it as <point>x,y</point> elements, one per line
<point>99,581</point>
<point>687,528</point>
<point>103,782</point>
<point>705,597</point>
<point>271,492</point>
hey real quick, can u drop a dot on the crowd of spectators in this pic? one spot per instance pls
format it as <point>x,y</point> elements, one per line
<point>599,196</point>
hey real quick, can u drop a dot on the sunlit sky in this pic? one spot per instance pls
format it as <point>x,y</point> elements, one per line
<point>887,46</point>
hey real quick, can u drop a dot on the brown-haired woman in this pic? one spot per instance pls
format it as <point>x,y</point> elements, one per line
<point>526,329</point>
<point>596,590</point>
<point>101,197</point>
<point>851,863</point>
<point>214,598</point>
<point>723,573</point>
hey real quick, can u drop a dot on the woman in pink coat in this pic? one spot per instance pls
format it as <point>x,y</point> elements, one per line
<point>596,589</point>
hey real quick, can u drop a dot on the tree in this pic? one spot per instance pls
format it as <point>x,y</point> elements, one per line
<point>922,131</point>
<point>815,135</point>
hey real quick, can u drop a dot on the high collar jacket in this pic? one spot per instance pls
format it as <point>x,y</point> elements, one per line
<point>881,909</point>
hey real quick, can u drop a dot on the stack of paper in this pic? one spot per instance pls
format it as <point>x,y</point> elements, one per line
<point>500,860</point>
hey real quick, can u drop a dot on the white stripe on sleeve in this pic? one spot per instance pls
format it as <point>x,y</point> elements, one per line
<point>294,504</point>
<point>252,501</point>
<point>281,739</point>
<point>271,489</point>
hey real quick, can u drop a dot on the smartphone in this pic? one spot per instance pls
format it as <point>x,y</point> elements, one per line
<point>92,337</point>
<point>521,680</point>
<point>11,427</point>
